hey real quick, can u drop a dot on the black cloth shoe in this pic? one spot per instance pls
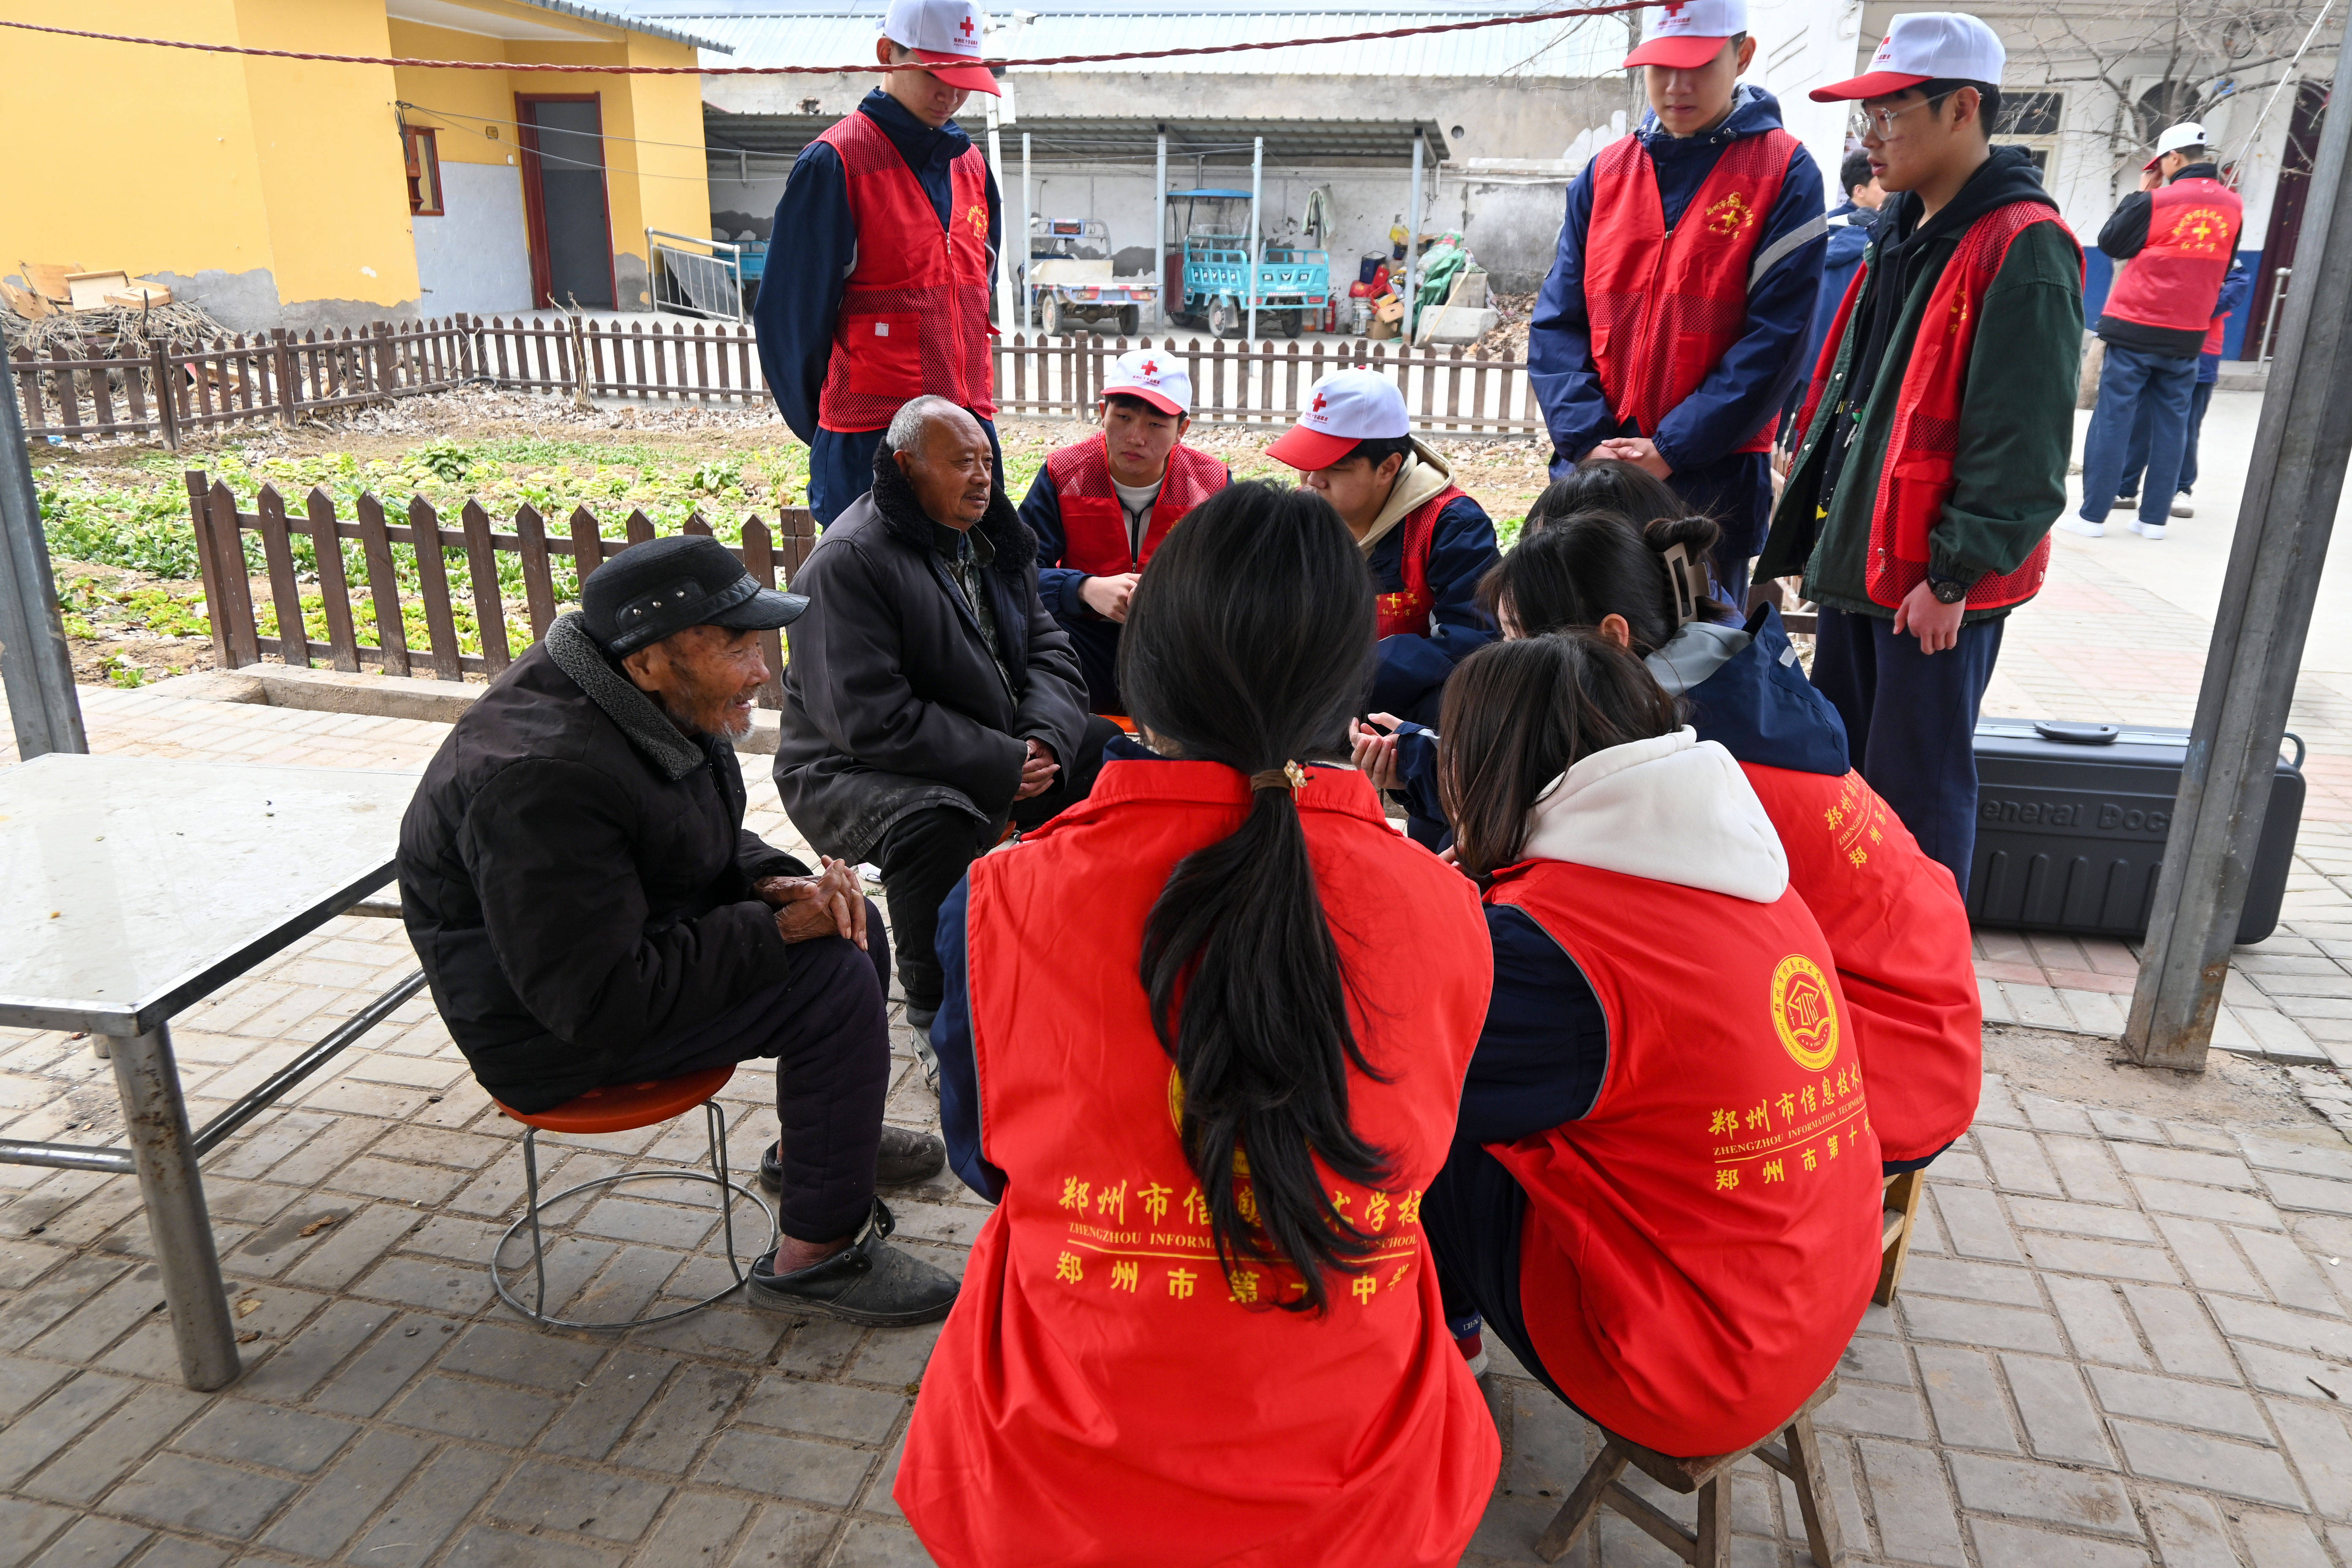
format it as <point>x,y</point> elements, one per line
<point>905,1157</point>
<point>868,1282</point>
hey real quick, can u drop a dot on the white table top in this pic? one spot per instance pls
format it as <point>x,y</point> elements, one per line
<point>130,887</point>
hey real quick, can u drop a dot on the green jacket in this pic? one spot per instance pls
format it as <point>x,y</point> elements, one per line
<point>2017,432</point>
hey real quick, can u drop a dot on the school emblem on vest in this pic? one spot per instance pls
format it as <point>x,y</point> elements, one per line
<point>1730,215</point>
<point>2200,229</point>
<point>977,215</point>
<point>1804,1010</point>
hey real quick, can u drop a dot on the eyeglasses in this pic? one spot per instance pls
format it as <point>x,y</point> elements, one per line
<point>1863,120</point>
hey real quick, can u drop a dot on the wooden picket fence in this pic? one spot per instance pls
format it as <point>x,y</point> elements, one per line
<point>772,555</point>
<point>168,394</point>
<point>282,377</point>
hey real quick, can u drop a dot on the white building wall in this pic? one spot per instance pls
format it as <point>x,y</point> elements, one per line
<point>476,259</point>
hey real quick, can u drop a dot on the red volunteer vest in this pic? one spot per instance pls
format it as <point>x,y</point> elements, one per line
<point>1093,523</point>
<point>1698,1249</point>
<point>1900,934</point>
<point>1405,613</point>
<point>2192,235</point>
<point>1102,1393</point>
<point>914,319</point>
<point>2212,343</point>
<point>1925,436</point>
<point>1663,305</point>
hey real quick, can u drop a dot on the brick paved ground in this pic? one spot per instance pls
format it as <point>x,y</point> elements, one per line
<point>2124,1339</point>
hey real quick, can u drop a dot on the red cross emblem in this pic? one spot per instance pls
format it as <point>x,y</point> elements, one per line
<point>965,27</point>
<point>1151,367</point>
<point>1320,401</point>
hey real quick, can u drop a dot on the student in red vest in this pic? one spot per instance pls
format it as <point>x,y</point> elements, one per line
<point>881,253</point>
<point>1674,323</point>
<point>1663,1193</point>
<point>1101,506</point>
<point>1933,455</point>
<point>2178,233</point>
<point>1425,540</point>
<point>1201,1325</point>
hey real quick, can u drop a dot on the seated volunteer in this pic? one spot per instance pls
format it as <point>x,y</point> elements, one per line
<point>1426,542</point>
<point>1663,1193</point>
<point>929,698</point>
<point>1101,506</point>
<point>1672,323</point>
<point>577,881</point>
<point>1202,1326</point>
<point>1893,919</point>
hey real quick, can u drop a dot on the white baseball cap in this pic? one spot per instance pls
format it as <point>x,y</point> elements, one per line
<point>942,33</point>
<point>1683,34</point>
<point>1153,376</point>
<point>1343,408</point>
<point>1925,45</point>
<point>2188,133</point>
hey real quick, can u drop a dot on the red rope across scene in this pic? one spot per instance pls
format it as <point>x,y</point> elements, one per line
<point>1561,15</point>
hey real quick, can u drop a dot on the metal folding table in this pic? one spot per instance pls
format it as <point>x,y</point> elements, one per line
<point>131,888</point>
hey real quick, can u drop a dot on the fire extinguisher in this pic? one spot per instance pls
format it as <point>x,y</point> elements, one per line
<point>1331,312</point>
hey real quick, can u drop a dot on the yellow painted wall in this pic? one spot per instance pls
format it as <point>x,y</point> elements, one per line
<point>288,174</point>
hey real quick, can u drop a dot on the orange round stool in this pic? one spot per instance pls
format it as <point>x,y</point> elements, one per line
<point>624,1108</point>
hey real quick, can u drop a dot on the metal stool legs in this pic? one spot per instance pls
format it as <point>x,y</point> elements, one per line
<point>715,1120</point>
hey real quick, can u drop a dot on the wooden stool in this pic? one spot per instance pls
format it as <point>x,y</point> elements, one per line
<point>1800,1460</point>
<point>624,1108</point>
<point>1902,1212</point>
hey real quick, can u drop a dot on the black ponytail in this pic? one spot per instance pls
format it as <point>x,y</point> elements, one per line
<point>1586,565</point>
<point>1250,643</point>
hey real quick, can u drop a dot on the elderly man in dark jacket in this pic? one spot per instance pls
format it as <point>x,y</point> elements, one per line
<point>929,698</point>
<point>577,880</point>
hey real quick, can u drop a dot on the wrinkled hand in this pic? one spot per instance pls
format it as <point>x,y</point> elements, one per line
<point>1037,773</point>
<point>1638,451</point>
<point>831,903</point>
<point>1375,752</point>
<point>1937,625</point>
<point>1108,596</point>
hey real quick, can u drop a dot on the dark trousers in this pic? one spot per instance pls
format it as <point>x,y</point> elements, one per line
<point>2134,384</point>
<point>824,1023</point>
<point>841,468</point>
<point>1096,642</point>
<point>2136,455</point>
<point>1911,722</point>
<point>925,854</point>
<point>1473,1215</point>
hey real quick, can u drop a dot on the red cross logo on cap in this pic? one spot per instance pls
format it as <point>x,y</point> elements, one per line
<point>1151,367</point>
<point>1320,401</point>
<point>965,27</point>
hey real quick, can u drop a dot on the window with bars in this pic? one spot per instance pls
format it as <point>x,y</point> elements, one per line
<point>423,157</point>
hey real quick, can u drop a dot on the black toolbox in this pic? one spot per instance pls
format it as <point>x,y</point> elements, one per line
<point>2072,821</point>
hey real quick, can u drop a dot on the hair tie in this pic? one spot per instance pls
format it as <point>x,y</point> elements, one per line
<point>1289,776</point>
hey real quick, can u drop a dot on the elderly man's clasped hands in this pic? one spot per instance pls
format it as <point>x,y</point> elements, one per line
<point>831,903</point>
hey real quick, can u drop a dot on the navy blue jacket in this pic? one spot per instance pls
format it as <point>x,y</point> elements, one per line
<point>1058,586</point>
<point>813,245</point>
<point>2235,287</point>
<point>1849,238</point>
<point>1748,385</point>
<point>1410,679</point>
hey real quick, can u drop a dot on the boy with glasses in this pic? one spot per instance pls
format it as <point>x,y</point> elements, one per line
<point>1931,461</point>
<point>1672,328</point>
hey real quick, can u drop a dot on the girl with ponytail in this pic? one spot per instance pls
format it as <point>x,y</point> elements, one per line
<point>1202,1324</point>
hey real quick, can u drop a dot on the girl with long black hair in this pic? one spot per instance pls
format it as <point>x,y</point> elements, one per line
<point>1662,1194</point>
<point>1201,1325</point>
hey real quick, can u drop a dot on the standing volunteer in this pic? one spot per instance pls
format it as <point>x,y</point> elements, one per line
<point>1851,224</point>
<point>2234,290</point>
<point>1663,1189</point>
<point>1933,455</point>
<point>1673,325</point>
<point>2178,235</point>
<point>880,256</point>
<point>1201,1325</point>
<point>1426,542</point>
<point>1101,506</point>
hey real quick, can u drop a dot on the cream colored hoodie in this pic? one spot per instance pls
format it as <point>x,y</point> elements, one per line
<point>1674,809</point>
<point>1423,476</point>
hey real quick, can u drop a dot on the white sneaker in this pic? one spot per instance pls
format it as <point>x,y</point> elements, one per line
<point>2084,526</point>
<point>2149,530</point>
<point>2182,508</point>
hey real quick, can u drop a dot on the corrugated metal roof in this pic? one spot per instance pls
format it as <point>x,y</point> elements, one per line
<point>1225,144</point>
<point>634,23</point>
<point>1576,48</point>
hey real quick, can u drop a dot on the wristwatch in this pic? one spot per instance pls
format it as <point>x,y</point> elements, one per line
<point>1947,590</point>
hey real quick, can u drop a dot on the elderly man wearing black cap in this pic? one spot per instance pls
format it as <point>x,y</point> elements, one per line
<point>589,909</point>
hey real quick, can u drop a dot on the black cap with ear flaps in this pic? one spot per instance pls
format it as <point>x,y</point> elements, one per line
<point>650,591</point>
